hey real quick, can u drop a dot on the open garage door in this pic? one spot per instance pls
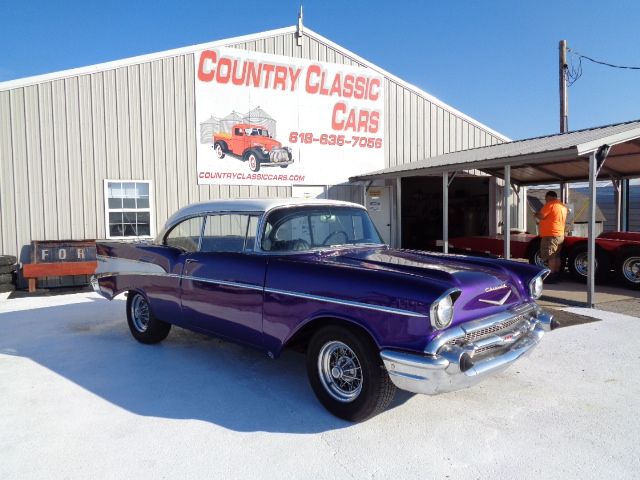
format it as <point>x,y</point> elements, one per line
<point>422,209</point>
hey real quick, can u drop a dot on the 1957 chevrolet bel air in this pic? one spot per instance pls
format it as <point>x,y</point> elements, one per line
<point>315,275</point>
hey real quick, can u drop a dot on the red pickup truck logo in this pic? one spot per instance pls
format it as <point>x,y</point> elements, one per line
<point>253,144</point>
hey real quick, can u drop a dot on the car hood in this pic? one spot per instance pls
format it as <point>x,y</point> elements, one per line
<point>486,284</point>
<point>268,143</point>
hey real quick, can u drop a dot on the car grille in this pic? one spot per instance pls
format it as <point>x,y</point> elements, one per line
<point>497,328</point>
<point>513,324</point>
<point>279,155</point>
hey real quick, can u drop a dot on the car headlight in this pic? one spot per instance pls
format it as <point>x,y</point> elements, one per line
<point>536,285</point>
<point>442,310</point>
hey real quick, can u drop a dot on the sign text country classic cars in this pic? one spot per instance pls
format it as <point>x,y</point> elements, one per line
<point>274,120</point>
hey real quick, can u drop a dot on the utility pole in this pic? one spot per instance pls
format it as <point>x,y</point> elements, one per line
<point>299,28</point>
<point>564,93</point>
<point>564,108</point>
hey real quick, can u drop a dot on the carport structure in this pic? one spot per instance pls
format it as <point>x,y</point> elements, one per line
<point>611,151</point>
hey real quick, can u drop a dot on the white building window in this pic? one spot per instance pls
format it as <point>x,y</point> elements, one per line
<point>128,212</point>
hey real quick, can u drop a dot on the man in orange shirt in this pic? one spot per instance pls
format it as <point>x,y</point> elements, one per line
<point>553,216</point>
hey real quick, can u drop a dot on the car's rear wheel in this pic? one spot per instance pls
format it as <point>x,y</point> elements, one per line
<point>219,150</point>
<point>144,326</point>
<point>628,268</point>
<point>578,263</point>
<point>347,374</point>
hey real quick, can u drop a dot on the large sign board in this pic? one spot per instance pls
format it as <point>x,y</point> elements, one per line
<point>274,120</point>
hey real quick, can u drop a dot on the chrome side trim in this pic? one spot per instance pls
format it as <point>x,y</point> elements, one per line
<point>107,264</point>
<point>349,303</point>
<point>137,274</point>
<point>308,296</point>
<point>223,282</point>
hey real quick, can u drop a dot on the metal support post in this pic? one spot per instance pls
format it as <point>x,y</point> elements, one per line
<point>624,205</point>
<point>591,238</point>
<point>445,212</point>
<point>617,185</point>
<point>564,192</point>
<point>398,235</point>
<point>506,212</point>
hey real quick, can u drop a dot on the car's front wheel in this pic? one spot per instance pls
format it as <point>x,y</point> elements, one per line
<point>254,163</point>
<point>144,326</point>
<point>347,374</point>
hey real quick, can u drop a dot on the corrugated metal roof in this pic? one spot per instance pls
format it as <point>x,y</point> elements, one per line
<point>552,158</point>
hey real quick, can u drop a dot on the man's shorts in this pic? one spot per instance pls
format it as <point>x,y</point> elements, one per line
<point>550,247</point>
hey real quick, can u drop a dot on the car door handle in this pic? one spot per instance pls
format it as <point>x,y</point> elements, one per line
<point>191,260</point>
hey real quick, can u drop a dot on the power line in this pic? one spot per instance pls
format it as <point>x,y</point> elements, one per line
<point>573,72</point>
<point>599,62</point>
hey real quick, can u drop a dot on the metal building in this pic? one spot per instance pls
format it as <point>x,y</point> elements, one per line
<point>73,143</point>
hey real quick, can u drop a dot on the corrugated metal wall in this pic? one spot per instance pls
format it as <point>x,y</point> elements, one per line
<point>606,200</point>
<point>60,139</point>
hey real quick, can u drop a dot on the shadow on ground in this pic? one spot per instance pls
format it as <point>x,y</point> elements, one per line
<point>188,376</point>
<point>569,319</point>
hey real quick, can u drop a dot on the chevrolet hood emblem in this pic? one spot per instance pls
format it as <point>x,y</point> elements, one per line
<point>500,301</point>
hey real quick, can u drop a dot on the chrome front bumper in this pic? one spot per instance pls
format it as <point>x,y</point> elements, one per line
<point>464,355</point>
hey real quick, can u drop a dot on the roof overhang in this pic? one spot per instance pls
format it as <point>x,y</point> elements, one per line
<point>551,159</point>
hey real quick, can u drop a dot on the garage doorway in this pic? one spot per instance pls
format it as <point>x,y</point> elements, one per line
<point>422,209</point>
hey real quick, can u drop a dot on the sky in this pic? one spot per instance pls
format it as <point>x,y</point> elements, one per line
<point>496,61</point>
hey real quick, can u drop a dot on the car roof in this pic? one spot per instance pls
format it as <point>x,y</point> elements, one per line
<point>249,205</point>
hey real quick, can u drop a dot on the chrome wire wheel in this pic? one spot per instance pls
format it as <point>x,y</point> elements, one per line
<point>140,313</point>
<point>581,264</point>
<point>631,269</point>
<point>539,261</point>
<point>340,371</point>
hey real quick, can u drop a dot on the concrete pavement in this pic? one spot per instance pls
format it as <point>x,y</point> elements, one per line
<point>79,398</point>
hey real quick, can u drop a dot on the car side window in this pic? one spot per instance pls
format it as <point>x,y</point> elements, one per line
<point>185,235</point>
<point>229,233</point>
<point>290,235</point>
<point>252,232</point>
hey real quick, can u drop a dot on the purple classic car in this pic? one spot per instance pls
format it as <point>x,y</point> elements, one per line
<point>314,275</point>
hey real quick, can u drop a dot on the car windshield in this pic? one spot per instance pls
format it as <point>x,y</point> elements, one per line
<point>256,132</point>
<point>314,227</point>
